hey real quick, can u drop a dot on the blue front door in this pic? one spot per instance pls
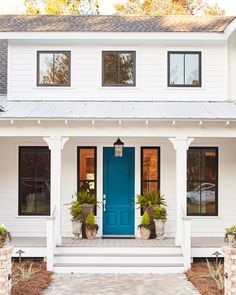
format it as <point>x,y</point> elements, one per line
<point>118,190</point>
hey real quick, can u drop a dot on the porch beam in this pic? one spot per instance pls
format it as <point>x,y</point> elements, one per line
<point>181,145</point>
<point>56,145</point>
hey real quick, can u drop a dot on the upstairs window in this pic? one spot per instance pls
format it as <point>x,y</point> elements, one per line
<point>34,181</point>
<point>184,69</point>
<point>118,68</point>
<point>202,181</point>
<point>53,68</point>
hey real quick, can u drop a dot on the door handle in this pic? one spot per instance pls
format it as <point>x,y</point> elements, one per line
<point>104,202</point>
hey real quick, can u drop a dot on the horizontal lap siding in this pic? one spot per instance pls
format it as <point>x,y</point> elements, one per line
<point>151,70</point>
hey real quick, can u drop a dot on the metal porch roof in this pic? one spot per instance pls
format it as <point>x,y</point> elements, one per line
<point>118,110</point>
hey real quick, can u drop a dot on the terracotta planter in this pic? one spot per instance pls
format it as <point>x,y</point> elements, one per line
<point>231,240</point>
<point>90,232</point>
<point>145,233</point>
<point>160,229</point>
<point>77,228</point>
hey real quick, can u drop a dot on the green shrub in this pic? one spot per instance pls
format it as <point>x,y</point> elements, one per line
<point>231,230</point>
<point>90,220</point>
<point>159,213</point>
<point>150,199</point>
<point>146,218</point>
<point>3,230</point>
<point>85,197</point>
<point>76,211</point>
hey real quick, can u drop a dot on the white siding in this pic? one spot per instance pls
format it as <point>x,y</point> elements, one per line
<point>201,226</point>
<point>151,73</point>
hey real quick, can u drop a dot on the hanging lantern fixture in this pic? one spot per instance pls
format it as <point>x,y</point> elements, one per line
<point>118,146</point>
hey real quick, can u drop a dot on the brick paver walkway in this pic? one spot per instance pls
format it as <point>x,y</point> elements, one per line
<point>121,284</point>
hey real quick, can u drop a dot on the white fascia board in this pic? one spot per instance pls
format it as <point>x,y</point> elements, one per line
<point>230,28</point>
<point>113,36</point>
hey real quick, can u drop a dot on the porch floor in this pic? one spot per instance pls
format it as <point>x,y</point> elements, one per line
<point>196,242</point>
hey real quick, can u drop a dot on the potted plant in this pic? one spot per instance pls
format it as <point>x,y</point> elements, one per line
<point>90,227</point>
<point>4,235</point>
<point>145,226</point>
<point>77,220</point>
<point>230,236</point>
<point>87,202</point>
<point>160,215</point>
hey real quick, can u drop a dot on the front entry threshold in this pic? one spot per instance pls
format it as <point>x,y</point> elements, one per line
<point>118,237</point>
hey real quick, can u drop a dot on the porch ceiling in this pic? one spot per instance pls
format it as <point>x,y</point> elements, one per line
<point>105,110</point>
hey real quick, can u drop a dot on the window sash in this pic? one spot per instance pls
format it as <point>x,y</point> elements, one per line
<point>34,179</point>
<point>184,54</point>
<point>201,180</point>
<point>119,84</point>
<point>53,53</point>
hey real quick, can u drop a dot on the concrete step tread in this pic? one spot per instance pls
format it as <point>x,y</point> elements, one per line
<point>115,255</point>
<point>117,265</point>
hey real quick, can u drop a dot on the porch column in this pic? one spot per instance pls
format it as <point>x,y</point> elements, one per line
<point>181,145</point>
<point>56,145</point>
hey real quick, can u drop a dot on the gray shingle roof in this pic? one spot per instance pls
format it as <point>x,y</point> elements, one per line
<point>75,23</point>
<point>118,110</point>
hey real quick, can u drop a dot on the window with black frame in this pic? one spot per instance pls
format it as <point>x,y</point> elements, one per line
<point>118,68</point>
<point>53,68</point>
<point>150,169</point>
<point>87,180</point>
<point>184,69</point>
<point>34,181</point>
<point>202,181</point>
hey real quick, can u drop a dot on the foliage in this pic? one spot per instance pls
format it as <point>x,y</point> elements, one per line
<point>145,219</point>
<point>90,220</point>
<point>230,231</point>
<point>159,213</point>
<point>84,197</point>
<point>216,274</point>
<point>151,199</point>
<point>62,7</point>
<point>76,211</point>
<point>25,273</point>
<point>4,233</point>
<point>167,7</point>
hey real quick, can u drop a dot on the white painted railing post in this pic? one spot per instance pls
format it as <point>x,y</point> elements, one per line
<point>56,145</point>
<point>181,145</point>
<point>51,239</point>
<point>187,242</point>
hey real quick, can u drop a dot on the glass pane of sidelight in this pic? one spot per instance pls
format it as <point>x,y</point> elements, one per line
<point>87,164</point>
<point>110,68</point>
<point>126,68</point>
<point>86,185</point>
<point>148,186</point>
<point>176,69</point>
<point>150,158</point>
<point>192,76</point>
<point>34,181</point>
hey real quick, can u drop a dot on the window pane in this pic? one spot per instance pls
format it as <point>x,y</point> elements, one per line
<point>61,68</point>
<point>192,69</point>
<point>34,181</point>
<point>209,165</point>
<point>193,167</point>
<point>87,163</point>
<point>150,187</point>
<point>110,69</point>
<point>193,198</point>
<point>208,198</point>
<point>176,69</point>
<point>45,68</point>
<point>88,186</point>
<point>150,164</point>
<point>27,165</point>
<point>126,68</point>
<point>42,197</point>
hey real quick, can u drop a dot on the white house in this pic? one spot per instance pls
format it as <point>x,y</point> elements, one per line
<point>70,86</point>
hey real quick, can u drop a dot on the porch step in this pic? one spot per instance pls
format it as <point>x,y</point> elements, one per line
<point>118,260</point>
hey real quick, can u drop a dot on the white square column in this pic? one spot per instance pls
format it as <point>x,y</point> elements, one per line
<point>181,145</point>
<point>56,145</point>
